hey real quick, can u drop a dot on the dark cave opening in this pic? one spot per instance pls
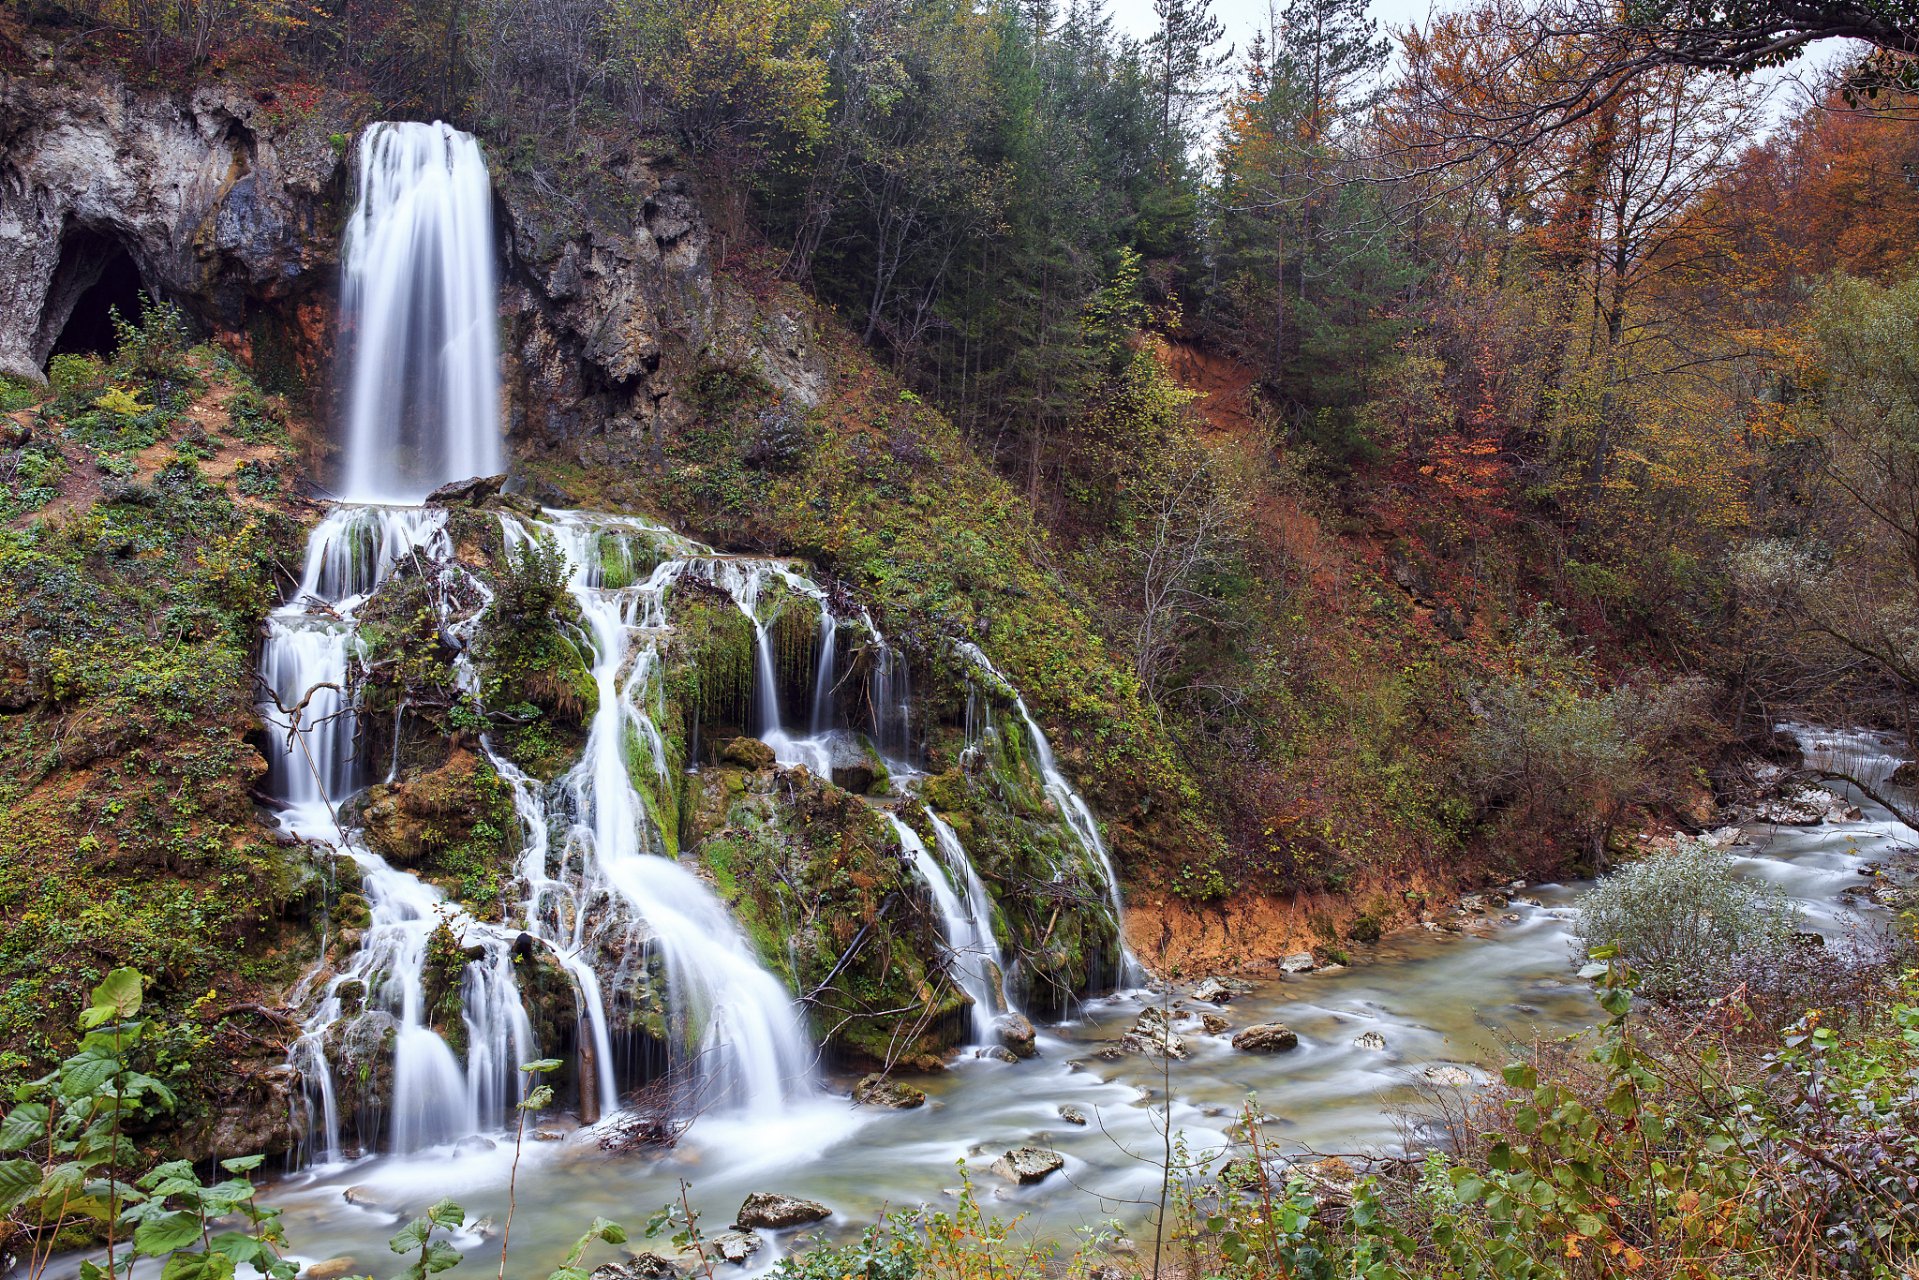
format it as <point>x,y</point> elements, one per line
<point>89,327</point>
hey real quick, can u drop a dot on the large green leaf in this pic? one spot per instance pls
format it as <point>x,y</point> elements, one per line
<point>166,1233</point>
<point>198,1266</point>
<point>86,1071</point>
<point>25,1125</point>
<point>411,1236</point>
<point>18,1180</point>
<point>118,996</point>
<point>243,1164</point>
<point>543,1064</point>
<point>446,1214</point>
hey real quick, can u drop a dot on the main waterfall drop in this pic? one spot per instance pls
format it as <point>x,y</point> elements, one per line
<point>419,316</point>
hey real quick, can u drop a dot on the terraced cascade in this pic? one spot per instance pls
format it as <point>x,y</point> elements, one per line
<point>377,1050</point>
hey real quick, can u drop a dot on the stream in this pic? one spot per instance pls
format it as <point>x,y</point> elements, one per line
<point>1438,1000</point>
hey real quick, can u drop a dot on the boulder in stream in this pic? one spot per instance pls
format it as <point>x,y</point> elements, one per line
<point>1298,962</point>
<point>1071,1114</point>
<point>329,1269</point>
<point>1220,990</point>
<point>1266,1037</point>
<point>1213,1024</point>
<point>771,1211</point>
<point>747,753</point>
<point>876,1090</point>
<point>1028,1165</point>
<point>734,1246</point>
<point>1151,1034</point>
<point>1017,1034</point>
<point>1372,1041</point>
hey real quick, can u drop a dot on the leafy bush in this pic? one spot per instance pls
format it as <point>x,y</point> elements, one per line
<point>1680,918</point>
<point>71,371</point>
<point>156,347</point>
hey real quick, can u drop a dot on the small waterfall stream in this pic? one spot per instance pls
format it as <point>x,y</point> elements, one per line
<point>970,947</point>
<point>1072,806</point>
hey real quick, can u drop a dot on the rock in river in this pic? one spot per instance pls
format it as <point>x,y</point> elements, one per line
<point>1016,1033</point>
<point>775,1212</point>
<point>329,1269</point>
<point>877,1091</point>
<point>1266,1037</point>
<point>1298,962</point>
<point>1219,990</point>
<point>1028,1164</point>
<point>1071,1114</point>
<point>735,1246</point>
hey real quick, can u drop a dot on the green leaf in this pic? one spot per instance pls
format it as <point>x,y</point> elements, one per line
<point>166,1233</point>
<point>611,1232</point>
<point>243,1164</point>
<point>412,1236</point>
<point>440,1255</point>
<point>446,1214</point>
<point>173,1171</point>
<point>244,1248</point>
<point>544,1065</point>
<point>25,1125</point>
<point>81,1074</point>
<point>540,1097</point>
<point>198,1266</point>
<point>18,1180</point>
<point>118,996</point>
<point>1520,1075</point>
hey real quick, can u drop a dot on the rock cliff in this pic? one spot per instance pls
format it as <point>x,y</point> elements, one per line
<point>224,203</point>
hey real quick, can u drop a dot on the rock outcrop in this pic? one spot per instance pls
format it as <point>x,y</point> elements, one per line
<point>615,309</point>
<point>222,201</point>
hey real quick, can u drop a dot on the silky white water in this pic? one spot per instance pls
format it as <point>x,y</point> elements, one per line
<point>418,316</point>
<point>974,960</point>
<point>313,767</point>
<point>741,1026</point>
<point>1071,805</point>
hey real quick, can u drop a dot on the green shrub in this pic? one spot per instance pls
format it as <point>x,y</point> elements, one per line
<point>71,371</point>
<point>1680,917</point>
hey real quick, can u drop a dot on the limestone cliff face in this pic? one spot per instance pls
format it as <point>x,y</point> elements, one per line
<point>225,204</point>
<point>614,309</point>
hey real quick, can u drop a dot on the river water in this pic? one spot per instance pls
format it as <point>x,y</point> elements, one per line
<point>1437,1000</point>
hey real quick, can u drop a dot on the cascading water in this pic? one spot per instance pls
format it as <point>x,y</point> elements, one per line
<point>597,877</point>
<point>741,1025</point>
<point>418,316</point>
<point>971,949</point>
<point>1072,806</point>
<point>310,645</point>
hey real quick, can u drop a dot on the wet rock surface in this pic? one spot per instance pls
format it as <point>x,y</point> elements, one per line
<point>877,1091</point>
<point>1266,1037</point>
<point>1026,1165</point>
<point>1017,1034</point>
<point>772,1211</point>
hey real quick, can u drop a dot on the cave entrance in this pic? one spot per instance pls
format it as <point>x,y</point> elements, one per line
<point>112,282</point>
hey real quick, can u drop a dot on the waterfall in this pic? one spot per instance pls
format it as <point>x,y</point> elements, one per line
<point>418,315</point>
<point>971,950</point>
<point>1071,805</point>
<point>312,768</point>
<point>744,1031</point>
<point>822,717</point>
